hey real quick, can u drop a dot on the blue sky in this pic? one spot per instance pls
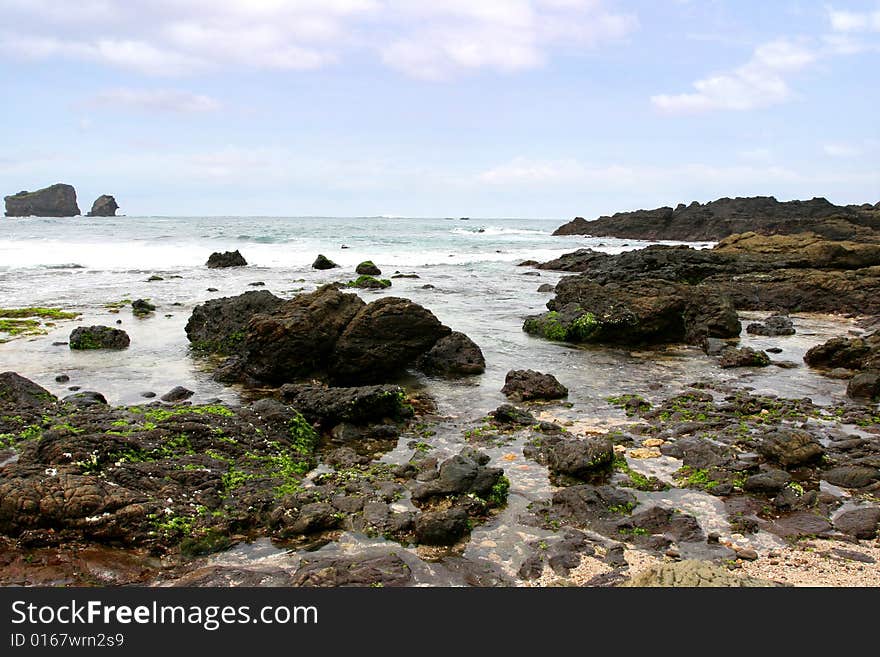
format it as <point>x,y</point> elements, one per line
<point>496,108</point>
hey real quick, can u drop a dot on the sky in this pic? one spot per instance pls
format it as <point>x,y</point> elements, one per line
<point>489,108</point>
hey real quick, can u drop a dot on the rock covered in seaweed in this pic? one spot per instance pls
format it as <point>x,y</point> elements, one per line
<point>98,337</point>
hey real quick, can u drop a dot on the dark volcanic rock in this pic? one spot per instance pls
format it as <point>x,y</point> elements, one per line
<point>367,268</point>
<point>98,337</point>
<point>57,200</point>
<point>580,458</point>
<point>510,414</point>
<point>455,354</point>
<point>227,259</point>
<point>218,325</point>
<point>861,523</point>
<point>462,474</point>
<point>104,206</point>
<point>851,476</point>
<point>383,570</point>
<point>743,357</point>
<point>298,338</point>
<point>718,219</point>
<point>849,353</point>
<point>865,385</point>
<point>772,326</point>
<point>384,338</point>
<point>359,405</point>
<point>441,527</point>
<point>800,523</point>
<point>527,385</point>
<point>17,391</point>
<point>767,483</point>
<point>790,447</point>
<point>323,262</point>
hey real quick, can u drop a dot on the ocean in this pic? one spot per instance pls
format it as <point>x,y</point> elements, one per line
<point>467,276</point>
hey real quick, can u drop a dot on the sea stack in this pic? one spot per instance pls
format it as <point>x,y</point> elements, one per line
<point>57,200</point>
<point>104,206</point>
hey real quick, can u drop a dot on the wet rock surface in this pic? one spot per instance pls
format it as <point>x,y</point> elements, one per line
<point>98,337</point>
<point>220,260</point>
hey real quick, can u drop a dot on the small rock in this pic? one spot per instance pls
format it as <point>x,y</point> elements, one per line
<point>526,385</point>
<point>746,554</point>
<point>176,394</point>
<point>62,378</point>
<point>148,394</point>
<point>227,259</point>
<point>323,262</point>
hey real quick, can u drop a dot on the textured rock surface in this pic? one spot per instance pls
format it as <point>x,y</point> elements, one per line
<point>57,200</point>
<point>218,324</point>
<point>527,385</point>
<point>98,337</point>
<point>692,573</point>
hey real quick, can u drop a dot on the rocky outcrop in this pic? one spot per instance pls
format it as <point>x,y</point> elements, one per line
<point>98,337</point>
<point>219,260</point>
<point>104,206</point>
<point>716,220</point>
<point>356,405</point>
<point>794,273</point>
<point>218,325</point>
<point>57,200</point>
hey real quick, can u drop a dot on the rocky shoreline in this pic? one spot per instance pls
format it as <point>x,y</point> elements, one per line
<point>714,484</point>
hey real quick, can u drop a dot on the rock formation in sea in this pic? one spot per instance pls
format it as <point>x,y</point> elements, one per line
<point>104,206</point>
<point>219,260</point>
<point>716,220</point>
<point>57,200</point>
<point>330,335</point>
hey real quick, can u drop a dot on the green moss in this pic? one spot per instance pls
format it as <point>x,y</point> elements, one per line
<point>638,480</point>
<point>583,328</point>
<point>632,404</point>
<point>224,346</point>
<point>498,495</point>
<point>695,478</point>
<point>162,414</point>
<point>42,313</point>
<point>369,282</point>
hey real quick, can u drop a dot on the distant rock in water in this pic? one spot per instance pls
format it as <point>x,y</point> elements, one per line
<point>57,200</point>
<point>715,220</point>
<point>104,206</point>
<point>227,259</point>
<point>323,262</point>
<point>98,337</point>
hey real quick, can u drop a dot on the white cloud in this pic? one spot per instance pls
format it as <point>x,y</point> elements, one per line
<point>155,100</point>
<point>760,82</point>
<point>841,150</point>
<point>854,21</point>
<point>423,38</point>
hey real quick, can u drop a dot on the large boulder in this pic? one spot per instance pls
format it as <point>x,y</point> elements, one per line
<point>865,385</point>
<point>104,206</point>
<point>773,326</point>
<point>645,311</point>
<point>743,357</point>
<point>528,385</point>
<point>453,355</point>
<point>299,338</point>
<point>384,338</point>
<point>57,200</point>
<point>98,337</point>
<point>218,325</point>
<point>580,458</point>
<point>219,260</point>
<point>859,353</point>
